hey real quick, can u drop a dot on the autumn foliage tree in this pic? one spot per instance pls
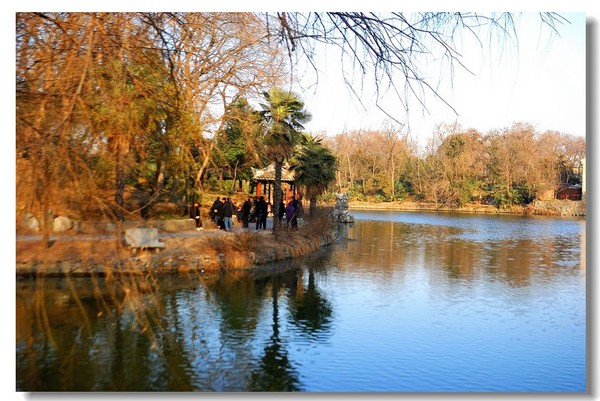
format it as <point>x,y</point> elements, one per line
<point>110,101</point>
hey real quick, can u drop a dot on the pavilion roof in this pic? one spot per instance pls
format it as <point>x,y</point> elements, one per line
<point>268,173</point>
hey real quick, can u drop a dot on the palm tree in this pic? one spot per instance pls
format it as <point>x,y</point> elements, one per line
<point>315,167</point>
<point>283,115</point>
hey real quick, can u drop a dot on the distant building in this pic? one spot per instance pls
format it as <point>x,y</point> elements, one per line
<point>572,192</point>
<point>583,179</point>
<point>265,179</point>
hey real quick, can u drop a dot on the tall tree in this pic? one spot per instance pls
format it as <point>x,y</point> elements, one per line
<point>216,59</point>
<point>315,167</point>
<point>461,157</point>
<point>59,56</point>
<point>511,164</point>
<point>239,148</point>
<point>283,115</point>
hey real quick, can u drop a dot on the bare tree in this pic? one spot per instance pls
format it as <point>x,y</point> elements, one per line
<point>100,94</point>
<point>216,59</point>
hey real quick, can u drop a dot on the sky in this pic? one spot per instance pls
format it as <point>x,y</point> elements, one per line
<point>539,80</point>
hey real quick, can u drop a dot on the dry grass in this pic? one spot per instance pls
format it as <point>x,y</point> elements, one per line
<point>67,250</point>
<point>320,223</point>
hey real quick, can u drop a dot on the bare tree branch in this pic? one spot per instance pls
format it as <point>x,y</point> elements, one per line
<point>394,46</point>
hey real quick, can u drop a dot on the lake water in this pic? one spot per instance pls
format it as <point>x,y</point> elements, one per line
<point>403,302</point>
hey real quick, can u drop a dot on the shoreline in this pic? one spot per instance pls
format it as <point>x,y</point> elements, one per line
<point>179,256</point>
<point>558,208</point>
<point>87,256</point>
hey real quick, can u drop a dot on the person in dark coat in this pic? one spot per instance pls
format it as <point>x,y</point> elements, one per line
<point>246,207</point>
<point>297,209</point>
<point>281,210</point>
<point>228,212</point>
<point>290,212</point>
<point>257,213</point>
<point>262,210</point>
<point>221,214</point>
<point>214,211</point>
<point>196,210</point>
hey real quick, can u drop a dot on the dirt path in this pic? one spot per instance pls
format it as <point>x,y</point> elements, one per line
<point>210,230</point>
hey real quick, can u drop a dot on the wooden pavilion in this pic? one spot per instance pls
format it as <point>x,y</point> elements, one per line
<point>265,180</point>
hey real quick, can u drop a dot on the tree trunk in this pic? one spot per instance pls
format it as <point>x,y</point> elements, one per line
<point>119,183</point>
<point>207,154</point>
<point>46,221</point>
<point>277,194</point>
<point>393,180</point>
<point>313,206</point>
<point>350,170</point>
<point>235,169</point>
<point>419,177</point>
<point>158,179</point>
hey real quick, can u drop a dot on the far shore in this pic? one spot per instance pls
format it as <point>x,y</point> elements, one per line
<point>544,208</point>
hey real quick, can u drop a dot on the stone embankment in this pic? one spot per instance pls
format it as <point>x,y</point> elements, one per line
<point>558,207</point>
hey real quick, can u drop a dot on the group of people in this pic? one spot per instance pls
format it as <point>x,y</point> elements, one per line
<point>255,211</point>
<point>223,209</point>
<point>222,212</point>
<point>252,210</point>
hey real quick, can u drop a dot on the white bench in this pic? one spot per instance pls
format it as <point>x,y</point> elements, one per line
<point>143,238</point>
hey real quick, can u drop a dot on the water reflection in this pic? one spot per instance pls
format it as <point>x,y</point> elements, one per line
<point>274,371</point>
<point>72,337</point>
<point>310,311</point>
<point>463,252</point>
<point>439,304</point>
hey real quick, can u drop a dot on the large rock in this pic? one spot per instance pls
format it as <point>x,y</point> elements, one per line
<point>341,214</point>
<point>62,223</point>
<point>30,222</point>
<point>143,238</point>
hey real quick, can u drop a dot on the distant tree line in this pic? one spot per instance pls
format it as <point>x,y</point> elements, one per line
<point>504,167</point>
